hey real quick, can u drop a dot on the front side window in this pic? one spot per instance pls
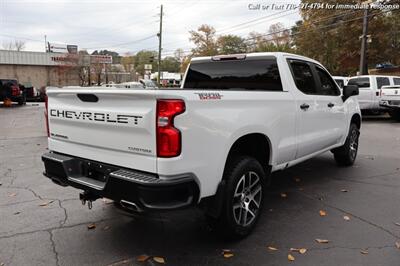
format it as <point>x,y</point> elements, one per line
<point>360,82</point>
<point>381,81</point>
<point>303,77</point>
<point>327,85</point>
<point>247,74</point>
<point>340,82</point>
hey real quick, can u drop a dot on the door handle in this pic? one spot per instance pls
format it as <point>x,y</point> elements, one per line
<point>330,105</point>
<point>304,106</point>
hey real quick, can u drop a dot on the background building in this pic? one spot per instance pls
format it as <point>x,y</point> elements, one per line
<point>38,69</point>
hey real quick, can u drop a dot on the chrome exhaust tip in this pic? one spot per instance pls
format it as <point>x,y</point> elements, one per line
<point>130,206</point>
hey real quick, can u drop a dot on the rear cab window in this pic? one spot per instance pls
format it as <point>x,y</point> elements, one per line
<point>382,81</point>
<point>396,81</point>
<point>261,74</point>
<point>362,83</point>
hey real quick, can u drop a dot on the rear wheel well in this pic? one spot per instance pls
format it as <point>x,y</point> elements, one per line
<point>255,145</point>
<point>356,119</point>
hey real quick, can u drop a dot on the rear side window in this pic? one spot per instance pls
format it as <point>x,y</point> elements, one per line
<point>381,81</point>
<point>360,82</point>
<point>248,74</point>
<point>396,81</point>
<point>303,77</point>
<point>328,86</point>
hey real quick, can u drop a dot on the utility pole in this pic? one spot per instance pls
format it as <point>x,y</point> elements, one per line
<point>364,38</point>
<point>159,46</point>
<point>45,43</point>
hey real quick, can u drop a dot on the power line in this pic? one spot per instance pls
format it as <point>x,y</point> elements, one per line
<point>122,44</point>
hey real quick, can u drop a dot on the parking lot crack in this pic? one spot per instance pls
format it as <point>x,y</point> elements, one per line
<point>53,245</point>
<point>65,213</point>
<point>379,227</point>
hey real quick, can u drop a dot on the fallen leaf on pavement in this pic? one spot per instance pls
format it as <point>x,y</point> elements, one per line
<point>142,258</point>
<point>344,190</point>
<point>364,252</point>
<point>0,185</point>
<point>283,195</point>
<point>398,245</point>
<point>272,248</point>
<point>322,213</point>
<point>16,213</point>
<point>91,226</point>
<point>227,253</point>
<point>44,204</point>
<point>159,260</point>
<point>1,264</point>
<point>398,224</point>
<point>347,218</point>
<point>105,228</point>
<point>290,257</point>
<point>300,250</point>
<point>322,241</point>
<point>12,194</point>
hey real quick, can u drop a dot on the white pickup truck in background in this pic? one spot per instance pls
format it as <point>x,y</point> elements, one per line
<point>369,90</point>
<point>212,143</point>
<point>390,99</point>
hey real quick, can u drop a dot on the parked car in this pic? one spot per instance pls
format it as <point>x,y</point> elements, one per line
<point>341,81</point>
<point>390,99</point>
<point>369,88</point>
<point>148,83</point>
<point>212,143</point>
<point>9,89</point>
<point>130,85</point>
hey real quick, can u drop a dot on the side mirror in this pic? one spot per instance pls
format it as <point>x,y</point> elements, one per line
<point>350,90</point>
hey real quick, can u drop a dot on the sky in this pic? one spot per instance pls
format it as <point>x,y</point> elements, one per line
<point>128,26</point>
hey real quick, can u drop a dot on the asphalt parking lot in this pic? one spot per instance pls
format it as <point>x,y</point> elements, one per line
<point>44,224</point>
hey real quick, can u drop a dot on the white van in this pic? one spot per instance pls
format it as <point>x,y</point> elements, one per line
<point>369,88</point>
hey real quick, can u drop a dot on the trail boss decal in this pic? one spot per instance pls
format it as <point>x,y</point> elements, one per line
<point>210,96</point>
<point>98,117</point>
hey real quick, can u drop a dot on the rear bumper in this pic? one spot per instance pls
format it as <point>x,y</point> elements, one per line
<point>392,104</point>
<point>146,191</point>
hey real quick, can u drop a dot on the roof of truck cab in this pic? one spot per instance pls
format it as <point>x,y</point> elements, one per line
<point>261,54</point>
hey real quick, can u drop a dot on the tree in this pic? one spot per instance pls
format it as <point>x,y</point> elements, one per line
<point>128,63</point>
<point>278,35</point>
<point>332,37</point>
<point>231,44</point>
<point>145,57</point>
<point>170,64</point>
<point>205,41</point>
<point>16,45</point>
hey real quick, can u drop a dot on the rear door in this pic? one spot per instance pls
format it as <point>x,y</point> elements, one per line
<point>365,97</point>
<point>106,125</point>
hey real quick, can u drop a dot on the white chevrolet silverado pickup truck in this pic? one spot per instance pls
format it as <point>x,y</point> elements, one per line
<point>213,142</point>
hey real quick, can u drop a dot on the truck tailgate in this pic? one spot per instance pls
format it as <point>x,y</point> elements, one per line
<point>106,125</point>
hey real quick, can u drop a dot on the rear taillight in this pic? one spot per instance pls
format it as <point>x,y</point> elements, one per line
<point>15,91</point>
<point>168,137</point>
<point>46,114</point>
